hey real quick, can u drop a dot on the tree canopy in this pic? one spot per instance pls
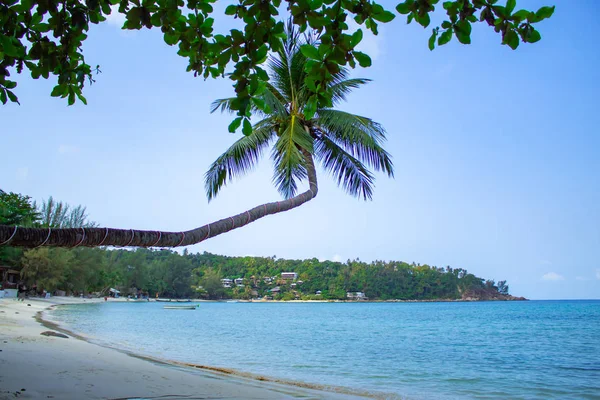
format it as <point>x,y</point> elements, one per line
<point>46,37</point>
<point>17,209</point>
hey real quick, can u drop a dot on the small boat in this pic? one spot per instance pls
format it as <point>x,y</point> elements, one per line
<point>181,307</point>
<point>163,300</point>
<point>183,301</point>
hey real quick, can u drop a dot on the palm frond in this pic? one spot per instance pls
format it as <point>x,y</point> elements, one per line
<point>240,158</point>
<point>224,105</point>
<point>349,172</point>
<point>342,88</point>
<point>270,96</point>
<point>298,77</point>
<point>359,136</point>
<point>280,74</point>
<point>288,157</point>
<point>275,100</point>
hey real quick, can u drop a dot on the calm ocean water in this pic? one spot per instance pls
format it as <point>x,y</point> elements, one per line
<point>487,350</point>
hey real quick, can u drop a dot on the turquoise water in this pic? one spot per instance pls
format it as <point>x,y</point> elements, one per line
<point>487,350</point>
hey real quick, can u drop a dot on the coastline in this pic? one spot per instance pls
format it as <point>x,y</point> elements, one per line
<point>35,366</point>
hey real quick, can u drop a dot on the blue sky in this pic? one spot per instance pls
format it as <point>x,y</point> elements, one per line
<point>497,154</point>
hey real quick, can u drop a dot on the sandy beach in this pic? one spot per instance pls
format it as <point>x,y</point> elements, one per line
<point>33,366</point>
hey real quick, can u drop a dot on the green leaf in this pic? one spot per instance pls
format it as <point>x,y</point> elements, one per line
<point>81,98</point>
<point>315,4</point>
<point>462,30</point>
<point>432,38</point>
<point>311,108</point>
<point>533,36</point>
<point>445,37</point>
<point>544,12</point>
<point>58,90</point>
<point>522,15</point>
<point>511,39</point>
<point>3,96</point>
<point>235,124</point>
<point>406,7</point>
<point>356,38</point>
<point>384,17</point>
<point>171,38</point>
<point>424,20</point>
<point>510,6</point>
<point>363,59</point>
<point>12,97</point>
<point>71,100</point>
<point>9,48</point>
<point>231,10</point>
<point>310,51</point>
<point>247,129</point>
<point>261,54</point>
<point>262,74</point>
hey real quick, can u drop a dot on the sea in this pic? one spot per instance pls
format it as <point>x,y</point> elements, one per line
<point>445,350</point>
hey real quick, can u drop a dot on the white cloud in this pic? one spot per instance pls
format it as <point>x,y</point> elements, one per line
<point>115,18</point>
<point>67,149</point>
<point>22,173</point>
<point>553,276</point>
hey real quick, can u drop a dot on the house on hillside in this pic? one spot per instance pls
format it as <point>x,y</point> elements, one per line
<point>275,290</point>
<point>239,282</point>
<point>226,282</point>
<point>356,296</point>
<point>289,276</point>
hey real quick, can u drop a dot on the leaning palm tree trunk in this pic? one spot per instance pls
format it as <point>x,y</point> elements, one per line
<point>94,237</point>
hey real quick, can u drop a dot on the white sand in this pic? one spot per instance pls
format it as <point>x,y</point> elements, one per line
<point>39,367</point>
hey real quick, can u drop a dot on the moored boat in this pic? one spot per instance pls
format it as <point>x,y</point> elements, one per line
<point>180,307</point>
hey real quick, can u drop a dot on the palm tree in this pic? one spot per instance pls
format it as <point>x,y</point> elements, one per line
<point>347,145</point>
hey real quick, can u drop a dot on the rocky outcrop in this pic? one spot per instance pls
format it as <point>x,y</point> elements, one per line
<point>487,295</point>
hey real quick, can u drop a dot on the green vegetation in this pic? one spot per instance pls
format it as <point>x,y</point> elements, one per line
<point>345,144</point>
<point>169,274</point>
<point>307,79</point>
<point>46,37</point>
<point>348,146</point>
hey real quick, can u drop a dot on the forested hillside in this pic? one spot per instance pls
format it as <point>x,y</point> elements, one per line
<point>167,273</point>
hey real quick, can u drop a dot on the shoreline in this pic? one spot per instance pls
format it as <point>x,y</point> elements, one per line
<point>466,300</point>
<point>222,371</point>
<point>78,368</point>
